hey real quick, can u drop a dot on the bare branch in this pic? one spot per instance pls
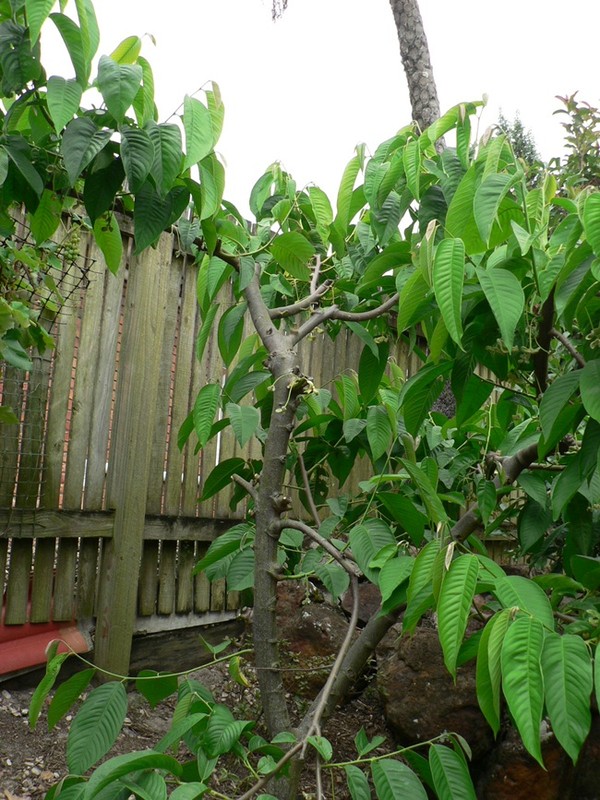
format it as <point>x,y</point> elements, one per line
<point>540,360</point>
<point>309,495</point>
<point>359,316</point>
<point>349,566</point>
<point>313,322</point>
<point>314,281</point>
<point>568,346</point>
<point>246,485</point>
<point>301,305</point>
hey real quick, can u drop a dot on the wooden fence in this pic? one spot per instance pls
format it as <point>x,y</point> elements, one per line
<point>99,511</point>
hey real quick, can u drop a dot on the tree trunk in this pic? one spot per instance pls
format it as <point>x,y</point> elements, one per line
<point>414,52</point>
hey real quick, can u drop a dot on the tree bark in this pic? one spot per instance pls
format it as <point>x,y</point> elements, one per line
<point>414,52</point>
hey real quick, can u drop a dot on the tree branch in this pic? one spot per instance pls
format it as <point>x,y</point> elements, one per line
<point>359,316</point>
<point>309,495</point>
<point>301,305</point>
<point>312,323</point>
<point>568,346</point>
<point>246,485</point>
<point>296,524</point>
<point>544,338</point>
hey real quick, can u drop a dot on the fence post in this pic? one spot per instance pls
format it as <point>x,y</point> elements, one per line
<point>131,444</point>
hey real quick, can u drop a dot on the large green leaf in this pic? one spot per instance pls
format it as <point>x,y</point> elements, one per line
<point>67,694</point>
<point>522,680</point>
<point>422,570</point>
<point>138,154</point>
<point>358,785</point>
<point>568,684</point>
<point>81,141</point>
<point>420,392</point>
<point>63,97</point>
<point>428,493</point>
<point>204,411</point>
<point>370,370</point>
<point>379,431</point>
<point>293,251</point>
<point>108,239</point>
<point>37,13</point>
<point>555,398</point>
<point>55,662</point>
<point>366,540</point>
<point>154,686</point>
<point>505,295</point>
<point>71,36</point>
<point>515,591</point>
<point>488,671</point>
<point>153,213</point>
<point>591,221</point>
<point>411,158</point>
<point>488,198</point>
<point>119,766</point>
<point>96,726</point>
<point>240,573</point>
<point>127,51</point>
<point>46,218</point>
<point>212,176</point>
<point>454,606</point>
<point>197,124</point>
<point>244,421</point>
<point>223,731</point>
<point>450,774</point>
<point>460,219</point>
<point>394,780</point>
<point>344,198</point>
<point>448,279</point>
<point>590,386</point>
<point>23,163</point>
<point>118,84</point>
<point>394,572</point>
<point>220,477</point>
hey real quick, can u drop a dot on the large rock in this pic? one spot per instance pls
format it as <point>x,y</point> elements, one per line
<point>420,698</point>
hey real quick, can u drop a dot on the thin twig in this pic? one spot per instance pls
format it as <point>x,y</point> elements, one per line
<point>568,346</point>
<point>313,322</point>
<point>246,485</point>
<point>266,778</point>
<point>314,281</point>
<point>309,495</point>
<point>298,525</point>
<point>301,305</point>
<point>359,316</point>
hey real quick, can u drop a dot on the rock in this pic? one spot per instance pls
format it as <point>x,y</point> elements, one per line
<point>369,601</point>
<point>420,698</point>
<point>311,636</point>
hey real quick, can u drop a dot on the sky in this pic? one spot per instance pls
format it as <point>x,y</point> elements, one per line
<point>306,90</point>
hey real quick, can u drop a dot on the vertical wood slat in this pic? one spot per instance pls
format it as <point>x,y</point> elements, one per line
<point>218,595</point>
<point>17,589</point>
<point>87,572</point>
<point>162,433</point>
<point>184,600</point>
<point>64,581</point>
<point>43,579</point>
<point>103,385</point>
<point>167,578</point>
<point>3,561</point>
<point>85,383</point>
<point>128,468</point>
<point>184,389</point>
<point>148,582</point>
<point>201,583</point>
<point>32,434</point>
<point>12,394</point>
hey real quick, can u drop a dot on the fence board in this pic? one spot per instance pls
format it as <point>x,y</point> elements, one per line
<point>12,396</point>
<point>64,581</point>
<point>17,588</point>
<point>167,578</point>
<point>185,580</point>
<point>32,434</point>
<point>148,581</point>
<point>218,595</point>
<point>43,577</point>
<point>201,583</point>
<point>87,577</point>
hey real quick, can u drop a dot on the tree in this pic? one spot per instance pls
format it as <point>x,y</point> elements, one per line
<point>452,254</point>
<point>416,60</point>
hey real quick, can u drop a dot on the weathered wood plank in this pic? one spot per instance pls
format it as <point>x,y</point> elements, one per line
<point>64,581</point>
<point>32,433</point>
<point>17,588</point>
<point>128,468</point>
<point>12,396</point>
<point>87,577</point>
<point>43,579</point>
<point>201,583</point>
<point>167,577</point>
<point>185,580</point>
<point>148,581</point>
<point>103,384</point>
<point>218,595</point>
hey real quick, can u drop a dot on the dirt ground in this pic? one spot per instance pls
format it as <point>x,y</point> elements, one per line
<point>32,761</point>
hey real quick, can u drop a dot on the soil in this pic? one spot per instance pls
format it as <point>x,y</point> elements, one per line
<point>32,761</point>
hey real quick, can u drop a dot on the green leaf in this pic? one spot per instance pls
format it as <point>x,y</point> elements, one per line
<point>231,330</point>
<point>454,606</point>
<point>153,213</point>
<point>487,200</point>
<point>197,125</point>
<point>154,686</point>
<point>534,520</point>
<point>488,670</point>
<point>44,687</point>
<point>46,218</point>
<point>486,499</point>
<point>204,411</point>
<point>411,158</point>
<point>506,298</point>
<point>191,791</point>
<point>244,421</point>
<point>81,141</point>
<point>26,168</point>
<point>206,329</point>
<point>96,727</point>
<point>240,573</point>
<point>67,694</point>
<point>394,780</point>
<point>37,13</point>
<point>63,97</point>
<point>522,680</point>
<point>334,577</point>
<point>293,251</point>
<point>223,731</point>
<point>515,591</point>
<point>432,502</point>
<point>448,279</point>
<point>450,774</point>
<point>220,477</point>
<point>71,36</point>
<point>393,574</point>
<point>113,769</point>
<point>591,221</point>
<point>168,156</point>
<point>555,398</point>
<point>568,684</point>
<point>322,210</point>
<point>366,540</point>
<point>127,51</point>
<point>379,431</point>
<point>358,784</point>
<point>590,385</point>
<point>212,177</point>
<point>138,154</point>
<point>344,197</point>
<point>371,369</point>
<point>118,84</point>
<point>322,746</point>
<point>108,239</point>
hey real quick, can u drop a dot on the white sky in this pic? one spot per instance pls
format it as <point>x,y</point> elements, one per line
<point>328,75</point>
